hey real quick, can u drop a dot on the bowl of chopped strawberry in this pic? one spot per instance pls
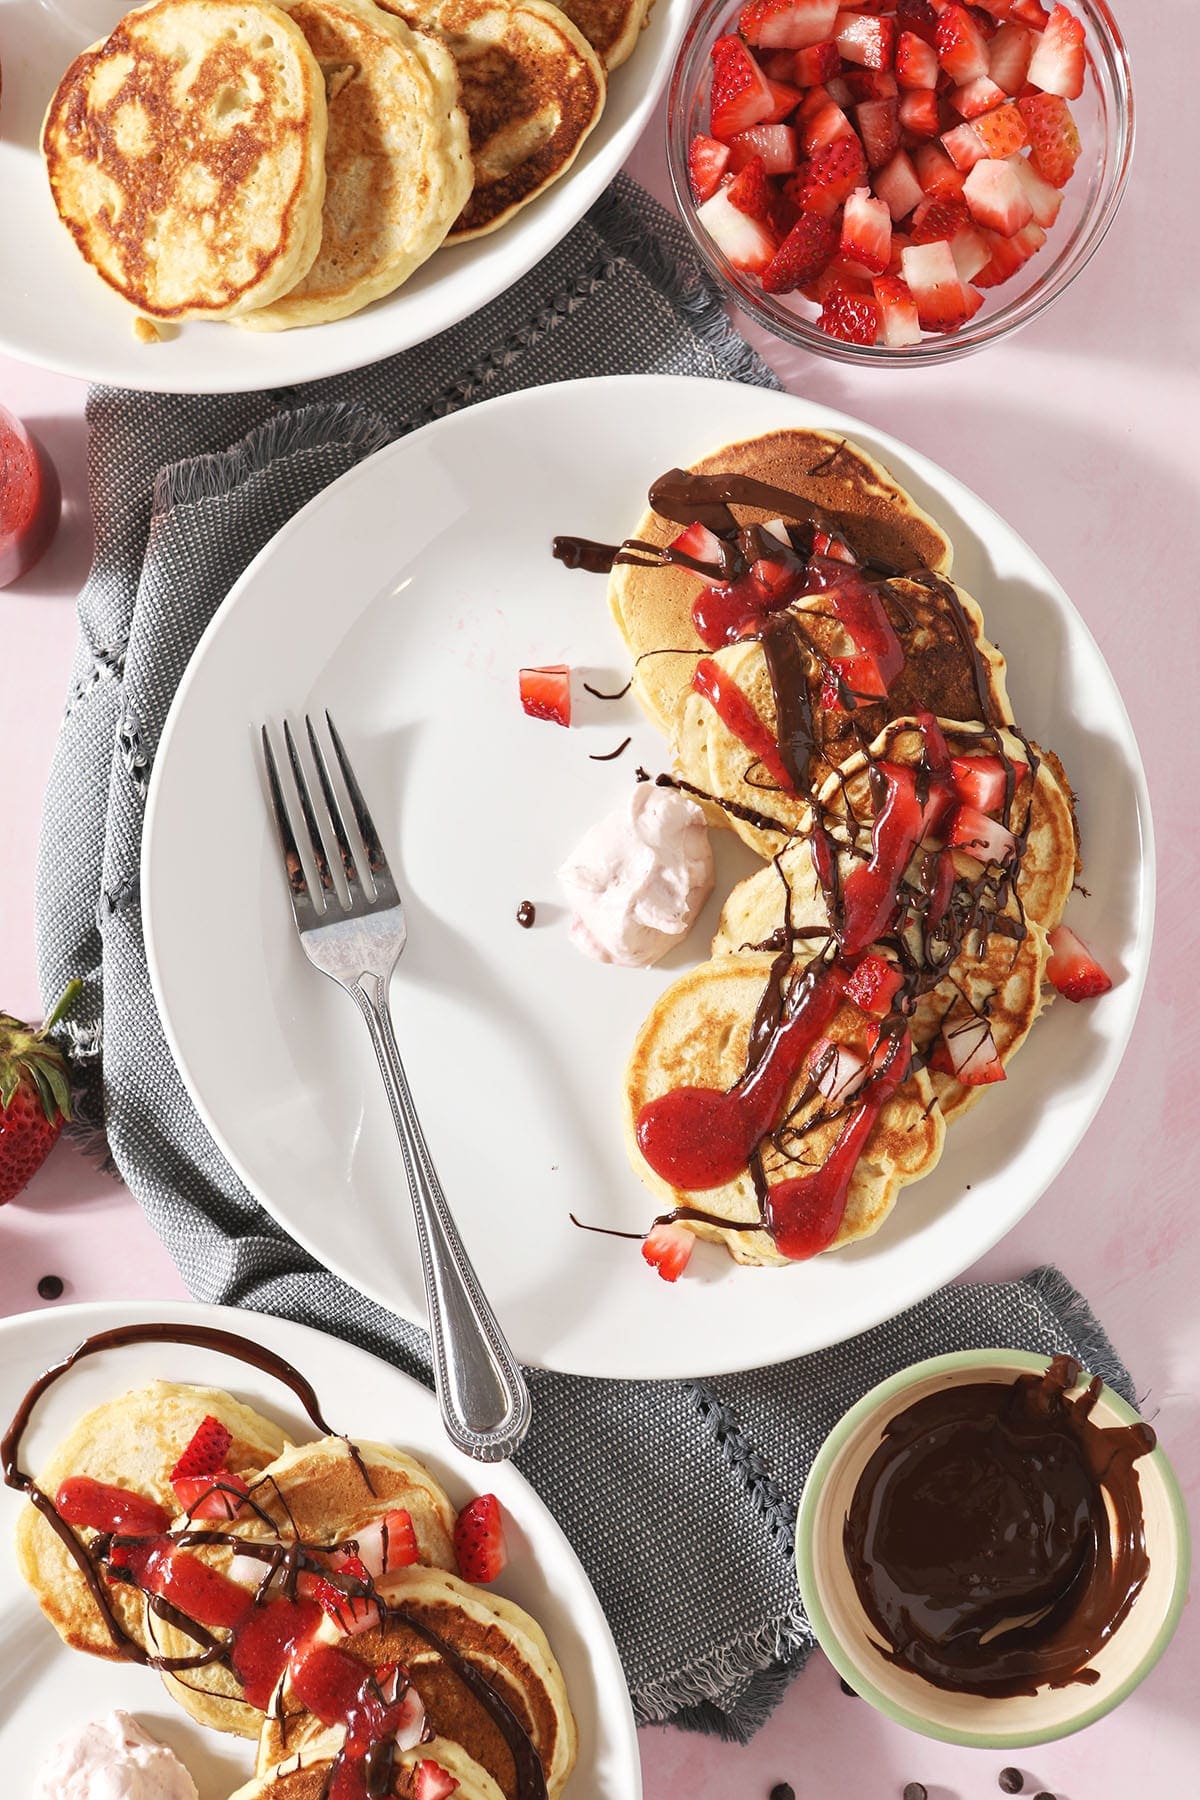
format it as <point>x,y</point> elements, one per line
<point>904,180</point>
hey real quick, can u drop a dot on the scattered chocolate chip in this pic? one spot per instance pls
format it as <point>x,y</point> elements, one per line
<point>50,1287</point>
<point>612,755</point>
<point>1044,1796</point>
<point>847,1689</point>
<point>641,774</point>
<point>1011,1781</point>
<point>783,1790</point>
<point>526,914</point>
<point>916,1790</point>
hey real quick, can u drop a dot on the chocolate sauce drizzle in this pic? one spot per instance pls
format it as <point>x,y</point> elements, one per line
<point>288,1558</point>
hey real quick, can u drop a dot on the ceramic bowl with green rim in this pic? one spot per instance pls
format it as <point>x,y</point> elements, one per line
<point>850,1640</point>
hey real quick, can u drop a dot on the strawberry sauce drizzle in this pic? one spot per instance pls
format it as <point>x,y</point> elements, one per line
<point>735,711</point>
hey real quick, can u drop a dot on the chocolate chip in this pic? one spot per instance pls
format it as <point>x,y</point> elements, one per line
<point>1044,1796</point>
<point>50,1287</point>
<point>916,1790</point>
<point>526,914</point>
<point>783,1790</point>
<point>847,1689</point>
<point>1011,1781</point>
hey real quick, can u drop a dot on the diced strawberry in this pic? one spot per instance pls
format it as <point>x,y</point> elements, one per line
<point>816,64</point>
<point>982,781</point>
<point>1072,968</point>
<point>1003,131</point>
<point>821,121</point>
<point>432,1782</point>
<point>836,1070</point>
<point>918,17</point>
<point>1052,135</point>
<point>752,193</point>
<point>381,1546</point>
<point>833,173</point>
<point>777,65</point>
<point>942,300</point>
<point>215,1496</point>
<point>978,96</point>
<point>836,549</point>
<point>853,317</point>
<point>866,243</point>
<point>775,144</point>
<point>1008,57</point>
<point>206,1449</point>
<point>707,163</point>
<point>546,693</point>
<point>936,219</point>
<point>667,1247</point>
<point>871,84</point>
<point>746,243</point>
<point>919,112</point>
<point>996,197</point>
<point>1006,256</point>
<point>897,185</point>
<point>805,252</point>
<point>787,24</point>
<point>916,61</point>
<point>965,145</point>
<point>1057,63</point>
<point>879,128</point>
<point>873,984</point>
<point>967,1050</point>
<point>784,100</point>
<point>741,94</point>
<point>96,1506</point>
<point>900,325</point>
<point>961,46</point>
<point>699,542</point>
<point>1030,12</point>
<point>351,1613</point>
<point>867,41</point>
<point>985,839</point>
<point>479,1540</point>
<point>1045,200</point>
<point>936,173</point>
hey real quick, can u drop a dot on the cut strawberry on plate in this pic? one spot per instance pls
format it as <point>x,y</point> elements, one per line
<point>546,693</point>
<point>982,781</point>
<point>873,984</point>
<point>805,252</point>
<point>741,94</point>
<point>698,542</point>
<point>985,839</point>
<point>667,1248</point>
<point>1072,968</point>
<point>967,1050</point>
<point>432,1782</point>
<point>381,1546</point>
<point>1057,63</point>
<point>479,1539</point>
<point>215,1496</point>
<point>707,163</point>
<point>206,1450</point>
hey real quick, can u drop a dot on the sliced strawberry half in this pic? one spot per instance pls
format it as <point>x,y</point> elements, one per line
<point>982,781</point>
<point>964,145</point>
<point>667,1248</point>
<point>879,129</point>
<point>381,1546</point>
<point>987,840</point>
<point>1053,135</point>
<point>805,252</point>
<point>1072,968</point>
<point>708,161</point>
<point>1045,200</point>
<point>746,243</point>
<point>1057,63</point>
<point>821,121</point>
<point>938,175</point>
<point>873,984</point>
<point>698,542</point>
<point>432,1782</point>
<point>741,94</point>
<point>752,193</point>
<point>546,693</point>
<point>919,112</point>
<point>479,1540</point>
<point>215,1496</point>
<point>967,1050</point>
<point>978,96</point>
<point>206,1450</point>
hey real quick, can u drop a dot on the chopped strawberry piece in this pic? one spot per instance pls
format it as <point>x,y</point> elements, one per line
<point>996,197</point>
<point>1057,63</point>
<point>206,1449</point>
<point>805,252</point>
<point>546,693</point>
<point>1053,136</point>
<point>380,1546</point>
<point>1008,57</point>
<point>918,17</point>
<point>816,64</point>
<point>97,1506</point>
<point>835,548</point>
<point>215,1496</point>
<point>707,163</point>
<point>1005,257</point>
<point>836,1070</point>
<point>967,1050</point>
<point>830,177</point>
<point>479,1540</point>
<point>938,219</point>
<point>873,984</point>
<point>1072,968</point>
<point>1030,12</point>
<point>752,193</point>
<point>821,121</point>
<point>987,840</point>
<point>936,173</point>
<point>937,287</point>
<point>898,311</point>
<point>978,96</point>
<point>1045,200</point>
<point>982,781</point>
<point>919,112</point>
<point>879,128</point>
<point>867,41</point>
<point>351,1613</point>
<point>784,100</point>
<point>897,185</point>
<point>746,243</point>
<point>432,1782</point>
<point>1003,131</point>
<point>871,84</point>
<point>866,243</point>
<point>741,94</point>
<point>916,61</point>
<point>965,145</point>
<point>787,24</point>
<point>667,1248</point>
<point>961,46</point>
<point>775,144</point>
<point>698,542</point>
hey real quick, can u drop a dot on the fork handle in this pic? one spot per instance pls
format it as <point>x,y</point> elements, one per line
<point>480,1388</point>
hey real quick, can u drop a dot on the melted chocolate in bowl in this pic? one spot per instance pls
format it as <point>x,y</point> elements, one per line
<point>996,1537</point>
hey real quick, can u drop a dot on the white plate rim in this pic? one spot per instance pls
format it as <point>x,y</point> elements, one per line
<point>905,461</point>
<point>614,1725</point>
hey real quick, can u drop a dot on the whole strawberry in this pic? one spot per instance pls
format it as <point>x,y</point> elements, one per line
<point>35,1097</point>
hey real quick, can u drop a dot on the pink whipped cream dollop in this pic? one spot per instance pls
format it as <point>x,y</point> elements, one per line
<point>113,1758</point>
<point>639,877</point>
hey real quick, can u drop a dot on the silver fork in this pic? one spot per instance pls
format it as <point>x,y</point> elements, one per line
<point>480,1388</point>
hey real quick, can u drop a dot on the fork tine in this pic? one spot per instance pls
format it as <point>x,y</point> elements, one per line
<point>320,858</point>
<point>335,811</point>
<point>385,887</point>
<point>304,911</point>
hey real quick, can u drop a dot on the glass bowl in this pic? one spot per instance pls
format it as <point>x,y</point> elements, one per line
<point>1103,114</point>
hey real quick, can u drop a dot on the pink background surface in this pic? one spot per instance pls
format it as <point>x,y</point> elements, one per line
<point>1083,433</point>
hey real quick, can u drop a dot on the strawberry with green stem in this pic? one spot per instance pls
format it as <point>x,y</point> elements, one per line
<point>35,1095</point>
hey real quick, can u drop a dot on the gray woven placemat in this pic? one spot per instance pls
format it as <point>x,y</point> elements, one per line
<point>679,1496</point>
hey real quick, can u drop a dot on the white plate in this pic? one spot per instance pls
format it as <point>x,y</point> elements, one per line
<point>56,312</point>
<point>404,598</point>
<point>46,1689</point>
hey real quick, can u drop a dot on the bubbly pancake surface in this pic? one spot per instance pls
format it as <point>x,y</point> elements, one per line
<point>186,156</point>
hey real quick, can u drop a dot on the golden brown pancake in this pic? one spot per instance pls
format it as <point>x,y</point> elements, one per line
<point>611,27</point>
<point>305,1775</point>
<point>186,156</point>
<point>532,88</point>
<point>653,606</point>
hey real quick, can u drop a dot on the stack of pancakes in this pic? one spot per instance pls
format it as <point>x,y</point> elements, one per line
<point>318,1494</point>
<point>286,162</point>
<point>700,1033</point>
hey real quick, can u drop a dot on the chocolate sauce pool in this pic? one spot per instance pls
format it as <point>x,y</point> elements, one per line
<point>995,1537</point>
